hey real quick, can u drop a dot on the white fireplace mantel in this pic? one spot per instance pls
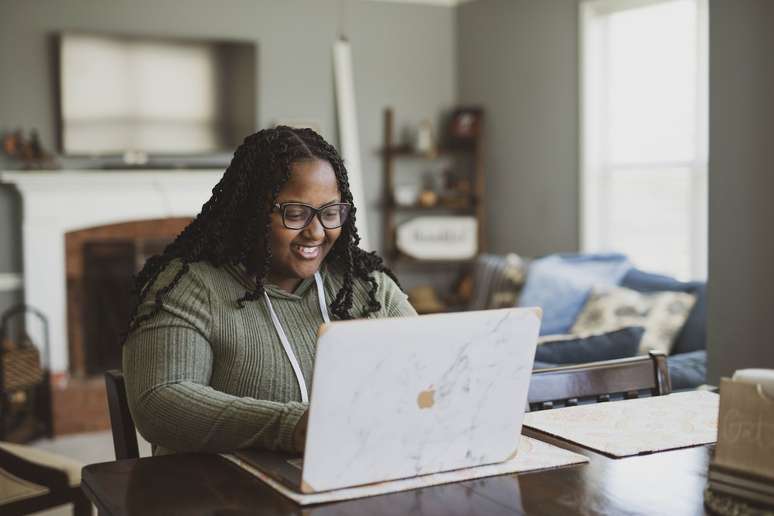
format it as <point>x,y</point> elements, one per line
<point>54,203</point>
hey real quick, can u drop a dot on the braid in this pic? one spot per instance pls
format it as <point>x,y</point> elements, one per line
<point>346,254</point>
<point>230,225</point>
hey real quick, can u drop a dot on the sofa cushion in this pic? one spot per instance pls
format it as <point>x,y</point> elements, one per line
<point>13,488</point>
<point>560,284</point>
<point>662,314</point>
<point>688,370</point>
<point>70,467</point>
<point>589,347</point>
<point>693,336</point>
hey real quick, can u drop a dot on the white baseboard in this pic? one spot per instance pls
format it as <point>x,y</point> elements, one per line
<point>10,281</point>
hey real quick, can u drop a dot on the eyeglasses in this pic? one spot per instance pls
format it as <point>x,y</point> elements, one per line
<point>296,215</point>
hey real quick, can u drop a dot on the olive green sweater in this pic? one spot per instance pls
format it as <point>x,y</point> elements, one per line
<point>204,375</point>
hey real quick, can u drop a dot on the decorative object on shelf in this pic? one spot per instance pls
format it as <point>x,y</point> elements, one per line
<point>425,300</point>
<point>25,390</point>
<point>464,126</point>
<point>428,196</point>
<point>424,142</point>
<point>407,194</point>
<point>29,152</point>
<point>439,237</point>
<point>457,190</point>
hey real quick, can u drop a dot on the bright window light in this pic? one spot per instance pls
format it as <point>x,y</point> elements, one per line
<point>644,132</point>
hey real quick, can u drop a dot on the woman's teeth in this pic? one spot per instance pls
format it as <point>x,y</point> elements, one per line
<point>308,252</point>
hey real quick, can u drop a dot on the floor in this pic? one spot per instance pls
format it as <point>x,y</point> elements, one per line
<point>86,448</point>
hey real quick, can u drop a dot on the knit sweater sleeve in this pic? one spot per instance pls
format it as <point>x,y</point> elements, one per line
<point>168,363</point>
<point>394,301</point>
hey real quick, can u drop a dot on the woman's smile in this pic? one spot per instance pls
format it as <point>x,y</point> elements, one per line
<point>307,252</point>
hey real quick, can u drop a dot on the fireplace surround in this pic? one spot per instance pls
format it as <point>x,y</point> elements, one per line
<point>60,202</point>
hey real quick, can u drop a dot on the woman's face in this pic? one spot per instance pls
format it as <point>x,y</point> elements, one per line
<point>298,253</point>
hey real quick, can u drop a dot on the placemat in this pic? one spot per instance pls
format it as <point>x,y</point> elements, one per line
<point>633,427</point>
<point>532,455</point>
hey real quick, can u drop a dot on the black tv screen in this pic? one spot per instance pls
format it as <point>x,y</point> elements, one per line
<point>158,96</point>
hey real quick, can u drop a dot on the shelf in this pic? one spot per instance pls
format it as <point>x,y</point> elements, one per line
<point>465,161</point>
<point>403,259</point>
<point>404,151</point>
<point>468,210</point>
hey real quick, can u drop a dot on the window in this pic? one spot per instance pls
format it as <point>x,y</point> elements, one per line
<point>644,132</point>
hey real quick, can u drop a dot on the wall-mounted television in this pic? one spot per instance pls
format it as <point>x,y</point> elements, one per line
<point>155,96</point>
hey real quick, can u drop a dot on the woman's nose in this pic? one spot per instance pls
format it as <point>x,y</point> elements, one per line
<point>315,230</point>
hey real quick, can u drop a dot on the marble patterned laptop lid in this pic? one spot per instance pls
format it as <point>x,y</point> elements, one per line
<point>397,398</point>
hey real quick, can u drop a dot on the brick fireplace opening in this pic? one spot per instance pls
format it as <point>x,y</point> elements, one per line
<point>99,265</point>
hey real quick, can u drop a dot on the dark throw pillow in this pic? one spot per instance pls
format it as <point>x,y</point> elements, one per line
<point>579,349</point>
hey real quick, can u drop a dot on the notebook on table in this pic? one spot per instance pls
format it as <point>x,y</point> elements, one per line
<point>400,398</point>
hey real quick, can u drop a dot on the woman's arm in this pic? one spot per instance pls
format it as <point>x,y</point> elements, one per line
<point>168,363</point>
<point>394,301</point>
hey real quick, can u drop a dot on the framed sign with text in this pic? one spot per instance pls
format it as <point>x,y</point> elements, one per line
<point>438,237</point>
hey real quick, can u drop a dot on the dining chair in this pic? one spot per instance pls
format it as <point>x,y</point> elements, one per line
<point>625,378</point>
<point>121,422</point>
<point>33,480</point>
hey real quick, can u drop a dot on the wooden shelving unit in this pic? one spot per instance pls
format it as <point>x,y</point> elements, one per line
<point>468,157</point>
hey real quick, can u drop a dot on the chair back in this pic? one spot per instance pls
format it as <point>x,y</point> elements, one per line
<point>626,377</point>
<point>121,422</point>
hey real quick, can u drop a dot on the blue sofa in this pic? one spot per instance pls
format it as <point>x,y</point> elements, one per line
<point>497,280</point>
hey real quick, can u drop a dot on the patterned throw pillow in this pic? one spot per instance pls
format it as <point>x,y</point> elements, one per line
<point>662,314</point>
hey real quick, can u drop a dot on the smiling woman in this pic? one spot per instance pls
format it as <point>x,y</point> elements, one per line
<point>301,238</point>
<point>222,341</point>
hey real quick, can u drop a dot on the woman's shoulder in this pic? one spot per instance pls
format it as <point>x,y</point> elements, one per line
<point>186,277</point>
<point>197,271</point>
<point>383,280</point>
<point>388,294</point>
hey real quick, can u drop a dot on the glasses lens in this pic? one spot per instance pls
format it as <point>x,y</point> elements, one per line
<point>334,216</point>
<point>295,216</point>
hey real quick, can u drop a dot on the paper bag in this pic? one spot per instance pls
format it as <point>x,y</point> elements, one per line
<point>745,430</point>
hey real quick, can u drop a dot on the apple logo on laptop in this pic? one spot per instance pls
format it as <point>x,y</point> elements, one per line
<point>426,398</point>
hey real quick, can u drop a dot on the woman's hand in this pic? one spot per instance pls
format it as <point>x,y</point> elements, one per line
<point>299,433</point>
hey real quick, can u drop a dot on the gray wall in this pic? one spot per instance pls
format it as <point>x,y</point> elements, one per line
<point>519,59</point>
<point>404,56</point>
<point>741,185</point>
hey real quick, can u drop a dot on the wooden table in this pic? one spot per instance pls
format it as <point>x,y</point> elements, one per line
<point>661,483</point>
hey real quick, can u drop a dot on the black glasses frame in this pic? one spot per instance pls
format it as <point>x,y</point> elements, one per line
<point>315,212</point>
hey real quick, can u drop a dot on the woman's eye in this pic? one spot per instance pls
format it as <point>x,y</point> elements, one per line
<point>295,213</point>
<point>331,216</point>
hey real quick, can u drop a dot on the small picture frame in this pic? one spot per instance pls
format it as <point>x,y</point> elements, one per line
<point>464,126</point>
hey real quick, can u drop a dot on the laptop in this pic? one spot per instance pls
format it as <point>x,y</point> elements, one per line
<point>397,398</point>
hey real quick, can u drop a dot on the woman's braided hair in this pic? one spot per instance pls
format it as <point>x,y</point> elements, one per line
<point>237,218</point>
